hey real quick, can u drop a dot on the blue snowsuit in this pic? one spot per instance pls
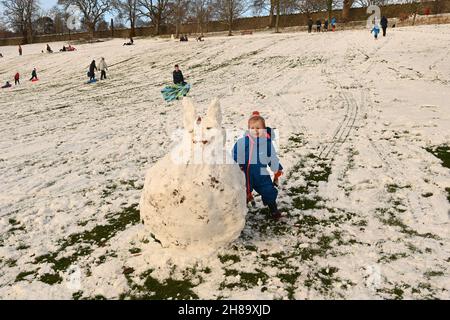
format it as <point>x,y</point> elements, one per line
<point>253,156</point>
<point>375,30</point>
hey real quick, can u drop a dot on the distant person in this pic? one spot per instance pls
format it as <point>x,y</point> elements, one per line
<point>178,76</point>
<point>325,25</point>
<point>63,49</point>
<point>310,25</point>
<point>49,50</point>
<point>333,24</point>
<point>318,25</point>
<point>375,30</point>
<point>92,69</point>
<point>7,85</point>
<point>17,79</point>
<point>384,25</point>
<point>200,38</point>
<point>34,75</point>
<point>70,48</point>
<point>102,66</point>
<point>1,55</point>
<point>129,43</point>
<point>20,50</point>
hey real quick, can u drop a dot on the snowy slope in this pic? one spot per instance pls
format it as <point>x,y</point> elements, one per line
<point>367,206</point>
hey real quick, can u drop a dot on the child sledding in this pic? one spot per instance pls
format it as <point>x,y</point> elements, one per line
<point>179,88</point>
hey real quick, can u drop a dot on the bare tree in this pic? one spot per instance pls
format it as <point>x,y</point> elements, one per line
<point>129,10</point>
<point>439,6</point>
<point>347,4</point>
<point>59,17</point>
<point>309,6</point>
<point>92,11</point>
<point>201,11</point>
<point>19,16</point>
<point>179,12</point>
<point>229,11</point>
<point>258,6</point>
<point>156,11</point>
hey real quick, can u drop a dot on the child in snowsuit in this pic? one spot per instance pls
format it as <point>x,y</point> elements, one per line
<point>17,79</point>
<point>376,31</point>
<point>254,152</point>
<point>34,75</point>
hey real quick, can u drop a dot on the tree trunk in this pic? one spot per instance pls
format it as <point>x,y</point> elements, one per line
<point>157,23</point>
<point>272,9</point>
<point>112,27</point>
<point>230,21</point>
<point>277,21</point>
<point>346,10</point>
<point>133,30</point>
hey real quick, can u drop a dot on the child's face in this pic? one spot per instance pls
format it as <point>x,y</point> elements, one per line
<point>256,128</point>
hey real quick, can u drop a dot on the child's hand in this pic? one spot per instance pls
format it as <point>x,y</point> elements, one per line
<point>276,178</point>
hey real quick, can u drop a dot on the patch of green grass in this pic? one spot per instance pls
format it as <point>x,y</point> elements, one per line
<point>11,263</point>
<point>396,292</point>
<point>392,257</point>
<point>442,152</point>
<point>392,188</point>
<point>21,276</point>
<point>249,279</point>
<point>98,235</point>
<point>77,295</point>
<point>229,257</point>
<point>394,221</point>
<point>324,280</point>
<point>152,289</point>
<point>430,274</point>
<point>304,203</point>
<point>135,250</point>
<point>50,278</point>
<point>290,279</point>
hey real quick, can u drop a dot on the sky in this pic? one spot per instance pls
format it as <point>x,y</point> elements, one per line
<point>47,4</point>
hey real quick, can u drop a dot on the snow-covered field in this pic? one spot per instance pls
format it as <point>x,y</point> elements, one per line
<point>362,125</point>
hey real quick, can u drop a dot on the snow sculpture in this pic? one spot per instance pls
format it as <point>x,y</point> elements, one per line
<point>192,197</point>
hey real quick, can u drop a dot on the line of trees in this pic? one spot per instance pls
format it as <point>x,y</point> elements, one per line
<point>26,18</point>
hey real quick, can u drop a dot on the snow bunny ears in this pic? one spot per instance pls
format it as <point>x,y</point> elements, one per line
<point>213,116</point>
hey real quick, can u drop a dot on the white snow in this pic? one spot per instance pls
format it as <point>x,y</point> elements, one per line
<point>73,158</point>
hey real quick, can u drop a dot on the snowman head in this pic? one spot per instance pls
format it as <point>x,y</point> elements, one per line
<point>203,136</point>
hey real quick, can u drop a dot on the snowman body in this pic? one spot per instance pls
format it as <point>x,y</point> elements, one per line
<point>194,196</point>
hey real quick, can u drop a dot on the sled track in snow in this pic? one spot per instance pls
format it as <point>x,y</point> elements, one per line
<point>345,126</point>
<point>394,166</point>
